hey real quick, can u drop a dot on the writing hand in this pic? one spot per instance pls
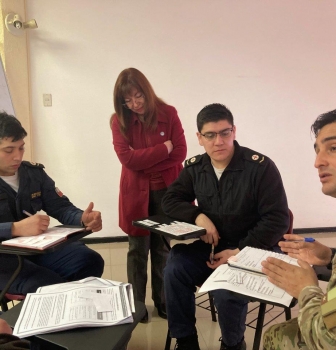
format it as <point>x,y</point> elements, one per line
<point>289,277</point>
<point>211,235</point>
<point>92,219</point>
<point>32,226</point>
<point>222,257</point>
<point>169,146</point>
<point>313,253</point>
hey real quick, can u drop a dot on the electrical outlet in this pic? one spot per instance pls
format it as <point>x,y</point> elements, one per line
<point>47,102</point>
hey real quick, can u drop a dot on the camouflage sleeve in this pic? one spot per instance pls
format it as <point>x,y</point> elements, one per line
<point>311,320</point>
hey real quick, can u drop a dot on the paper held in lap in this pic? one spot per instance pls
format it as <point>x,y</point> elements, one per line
<point>50,237</point>
<point>91,302</point>
<point>245,276</point>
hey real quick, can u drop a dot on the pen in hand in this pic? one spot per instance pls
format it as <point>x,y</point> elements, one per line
<point>212,255</point>
<point>25,212</point>
<point>305,239</point>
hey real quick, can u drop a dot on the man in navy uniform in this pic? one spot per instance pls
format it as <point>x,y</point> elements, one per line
<point>25,186</point>
<point>241,202</point>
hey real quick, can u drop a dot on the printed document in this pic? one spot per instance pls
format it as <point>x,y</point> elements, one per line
<point>247,283</point>
<point>250,258</point>
<point>50,237</point>
<point>92,302</point>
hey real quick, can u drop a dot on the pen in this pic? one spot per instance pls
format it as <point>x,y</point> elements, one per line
<point>305,239</point>
<point>212,255</point>
<point>25,212</point>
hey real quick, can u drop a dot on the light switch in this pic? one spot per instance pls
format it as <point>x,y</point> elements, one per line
<point>47,102</point>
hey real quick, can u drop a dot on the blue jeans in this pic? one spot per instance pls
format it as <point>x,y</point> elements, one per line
<point>186,268</point>
<point>73,262</point>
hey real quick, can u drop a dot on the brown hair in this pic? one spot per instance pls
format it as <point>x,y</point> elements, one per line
<point>127,80</point>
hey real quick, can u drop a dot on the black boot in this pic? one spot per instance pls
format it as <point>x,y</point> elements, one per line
<point>161,309</point>
<point>240,346</point>
<point>145,318</point>
<point>187,343</point>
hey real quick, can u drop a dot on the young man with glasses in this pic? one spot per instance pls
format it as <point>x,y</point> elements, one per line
<point>241,202</point>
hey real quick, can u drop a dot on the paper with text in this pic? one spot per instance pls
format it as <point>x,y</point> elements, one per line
<point>80,306</point>
<point>250,258</point>
<point>246,283</point>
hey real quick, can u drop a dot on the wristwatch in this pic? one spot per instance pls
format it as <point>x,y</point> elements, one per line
<point>333,252</point>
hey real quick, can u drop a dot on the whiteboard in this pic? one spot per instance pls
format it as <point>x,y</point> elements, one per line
<point>5,98</point>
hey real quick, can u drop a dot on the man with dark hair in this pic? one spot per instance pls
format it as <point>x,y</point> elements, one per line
<point>25,186</point>
<point>241,202</point>
<point>315,327</point>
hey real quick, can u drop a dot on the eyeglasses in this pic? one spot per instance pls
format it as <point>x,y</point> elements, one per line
<point>211,135</point>
<point>136,99</point>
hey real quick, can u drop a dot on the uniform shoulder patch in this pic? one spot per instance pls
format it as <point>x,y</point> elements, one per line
<point>192,160</point>
<point>33,164</point>
<point>253,156</point>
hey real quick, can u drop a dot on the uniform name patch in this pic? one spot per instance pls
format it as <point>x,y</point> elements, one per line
<point>36,194</point>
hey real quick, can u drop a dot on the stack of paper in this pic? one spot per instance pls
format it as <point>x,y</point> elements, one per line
<point>243,275</point>
<point>91,302</point>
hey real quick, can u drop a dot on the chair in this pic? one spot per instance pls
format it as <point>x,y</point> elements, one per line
<point>10,298</point>
<point>261,313</point>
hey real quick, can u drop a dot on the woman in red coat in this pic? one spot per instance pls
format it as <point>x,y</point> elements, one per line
<point>149,141</point>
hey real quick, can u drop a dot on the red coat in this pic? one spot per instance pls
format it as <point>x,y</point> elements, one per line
<point>149,155</point>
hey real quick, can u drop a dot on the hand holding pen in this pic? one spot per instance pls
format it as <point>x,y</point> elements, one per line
<point>306,249</point>
<point>31,226</point>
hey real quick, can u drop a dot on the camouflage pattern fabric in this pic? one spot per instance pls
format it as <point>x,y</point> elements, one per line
<point>284,336</point>
<point>308,331</point>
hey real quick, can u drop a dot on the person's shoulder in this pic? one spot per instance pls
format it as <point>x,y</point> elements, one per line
<point>167,110</point>
<point>193,160</point>
<point>32,164</point>
<point>254,157</point>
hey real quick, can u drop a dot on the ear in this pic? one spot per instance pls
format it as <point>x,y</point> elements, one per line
<point>200,140</point>
<point>234,132</point>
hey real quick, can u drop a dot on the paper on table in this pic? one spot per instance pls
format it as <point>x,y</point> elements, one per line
<point>247,283</point>
<point>250,258</point>
<point>178,228</point>
<point>89,282</point>
<point>50,237</point>
<point>51,312</point>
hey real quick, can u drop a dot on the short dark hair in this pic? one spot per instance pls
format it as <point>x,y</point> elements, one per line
<point>11,127</point>
<point>323,120</point>
<point>213,113</point>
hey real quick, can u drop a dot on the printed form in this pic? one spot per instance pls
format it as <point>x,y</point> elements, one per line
<point>247,283</point>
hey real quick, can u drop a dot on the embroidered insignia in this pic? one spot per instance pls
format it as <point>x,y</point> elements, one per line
<point>59,192</point>
<point>162,133</point>
<point>35,195</point>
<point>33,163</point>
<point>262,159</point>
<point>255,157</point>
<point>192,159</point>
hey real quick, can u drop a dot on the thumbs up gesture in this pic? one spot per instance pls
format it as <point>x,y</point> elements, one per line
<point>92,219</point>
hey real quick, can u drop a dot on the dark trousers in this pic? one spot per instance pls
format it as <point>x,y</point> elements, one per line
<point>186,268</point>
<point>137,257</point>
<point>73,262</point>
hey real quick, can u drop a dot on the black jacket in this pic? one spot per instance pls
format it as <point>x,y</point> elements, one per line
<point>248,205</point>
<point>37,191</point>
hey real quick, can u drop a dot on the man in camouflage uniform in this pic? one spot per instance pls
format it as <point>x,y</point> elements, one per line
<point>315,327</point>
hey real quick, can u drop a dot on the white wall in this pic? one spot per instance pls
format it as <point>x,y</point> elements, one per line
<point>271,62</point>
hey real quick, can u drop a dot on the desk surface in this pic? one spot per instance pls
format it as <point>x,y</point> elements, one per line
<point>6,249</point>
<point>88,338</point>
<point>165,220</point>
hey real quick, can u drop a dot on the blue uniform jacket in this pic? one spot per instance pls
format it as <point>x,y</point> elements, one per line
<point>37,191</point>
